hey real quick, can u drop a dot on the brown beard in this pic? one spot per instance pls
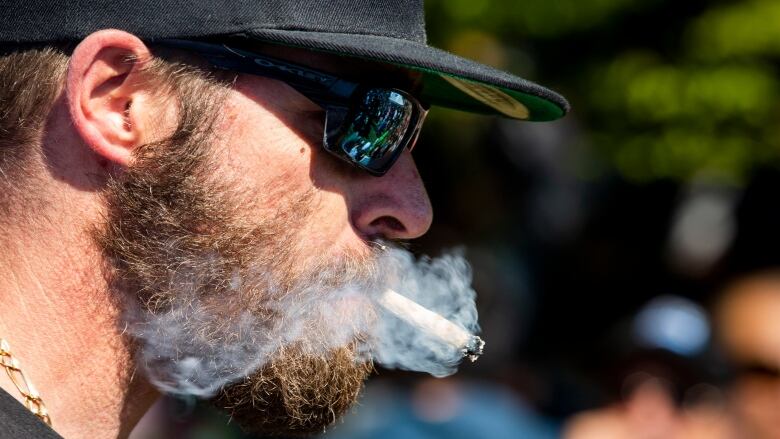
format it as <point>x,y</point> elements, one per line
<point>295,394</point>
<point>174,234</point>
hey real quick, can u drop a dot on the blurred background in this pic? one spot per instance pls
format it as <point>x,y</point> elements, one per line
<point>624,257</point>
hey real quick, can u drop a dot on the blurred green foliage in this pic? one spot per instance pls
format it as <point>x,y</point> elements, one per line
<point>660,88</point>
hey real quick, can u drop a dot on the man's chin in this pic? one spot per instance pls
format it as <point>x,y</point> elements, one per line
<point>295,394</point>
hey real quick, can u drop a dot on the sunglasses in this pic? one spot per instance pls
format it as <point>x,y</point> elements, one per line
<point>366,126</point>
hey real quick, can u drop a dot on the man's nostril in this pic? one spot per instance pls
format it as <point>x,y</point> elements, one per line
<point>388,223</point>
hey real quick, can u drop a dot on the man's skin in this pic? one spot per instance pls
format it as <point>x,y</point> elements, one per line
<point>57,313</point>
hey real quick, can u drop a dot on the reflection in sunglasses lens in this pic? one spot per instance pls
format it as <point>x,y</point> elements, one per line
<point>378,127</point>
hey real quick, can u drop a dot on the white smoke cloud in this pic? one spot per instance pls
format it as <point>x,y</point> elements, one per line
<point>201,343</point>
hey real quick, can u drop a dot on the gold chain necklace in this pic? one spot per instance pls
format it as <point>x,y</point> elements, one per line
<point>32,400</point>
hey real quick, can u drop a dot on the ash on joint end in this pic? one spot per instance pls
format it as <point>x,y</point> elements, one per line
<point>474,348</point>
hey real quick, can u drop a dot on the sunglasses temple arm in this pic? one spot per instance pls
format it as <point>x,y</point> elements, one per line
<point>306,79</point>
<point>417,128</point>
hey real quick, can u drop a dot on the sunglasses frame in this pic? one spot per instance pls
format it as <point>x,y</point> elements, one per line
<point>338,97</point>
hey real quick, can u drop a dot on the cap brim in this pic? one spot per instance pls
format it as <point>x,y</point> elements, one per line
<point>448,80</point>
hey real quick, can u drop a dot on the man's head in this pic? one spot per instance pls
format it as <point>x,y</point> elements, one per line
<point>237,250</point>
<point>226,202</point>
<point>204,180</point>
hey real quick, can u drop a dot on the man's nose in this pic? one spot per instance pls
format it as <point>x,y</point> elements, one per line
<point>394,206</point>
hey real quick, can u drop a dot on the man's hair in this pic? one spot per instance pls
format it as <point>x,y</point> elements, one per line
<point>30,81</point>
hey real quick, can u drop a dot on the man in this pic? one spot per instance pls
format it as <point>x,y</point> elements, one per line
<point>199,197</point>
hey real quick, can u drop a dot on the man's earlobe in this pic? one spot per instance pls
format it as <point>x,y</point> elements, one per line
<point>105,94</point>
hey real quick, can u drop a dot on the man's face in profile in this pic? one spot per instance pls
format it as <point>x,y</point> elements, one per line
<point>221,233</point>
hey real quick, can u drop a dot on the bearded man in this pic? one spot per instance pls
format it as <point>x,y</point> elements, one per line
<point>199,198</point>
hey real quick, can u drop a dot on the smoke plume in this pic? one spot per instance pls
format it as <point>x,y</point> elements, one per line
<point>197,343</point>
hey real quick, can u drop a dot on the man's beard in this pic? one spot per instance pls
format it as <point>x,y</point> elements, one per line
<point>208,292</point>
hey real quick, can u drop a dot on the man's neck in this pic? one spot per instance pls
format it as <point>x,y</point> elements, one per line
<point>57,314</point>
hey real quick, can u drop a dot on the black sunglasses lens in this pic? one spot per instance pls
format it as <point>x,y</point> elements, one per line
<point>374,133</point>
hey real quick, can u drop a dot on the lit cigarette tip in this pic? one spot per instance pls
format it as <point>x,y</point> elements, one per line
<point>474,348</point>
<point>431,323</point>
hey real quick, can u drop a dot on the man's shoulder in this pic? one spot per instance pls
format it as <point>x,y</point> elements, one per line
<point>17,422</point>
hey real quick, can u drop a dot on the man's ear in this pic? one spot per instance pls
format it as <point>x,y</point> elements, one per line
<point>106,96</point>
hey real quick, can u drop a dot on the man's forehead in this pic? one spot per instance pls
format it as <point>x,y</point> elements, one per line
<point>351,68</point>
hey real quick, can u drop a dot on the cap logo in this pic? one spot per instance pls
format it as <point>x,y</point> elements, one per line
<point>492,97</point>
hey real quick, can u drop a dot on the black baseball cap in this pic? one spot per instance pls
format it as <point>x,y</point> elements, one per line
<point>385,31</point>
